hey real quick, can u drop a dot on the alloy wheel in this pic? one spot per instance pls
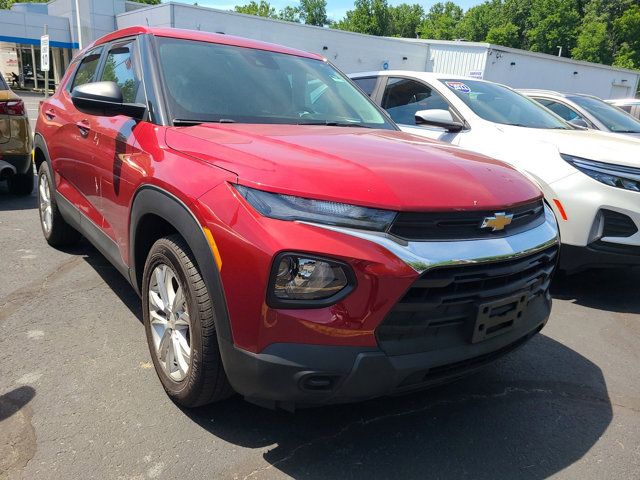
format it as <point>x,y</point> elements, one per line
<point>46,212</point>
<point>169,321</point>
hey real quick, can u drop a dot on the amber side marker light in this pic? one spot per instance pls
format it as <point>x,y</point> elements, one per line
<point>214,247</point>
<point>563,214</point>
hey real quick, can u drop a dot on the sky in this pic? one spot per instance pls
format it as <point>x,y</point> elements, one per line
<point>335,8</point>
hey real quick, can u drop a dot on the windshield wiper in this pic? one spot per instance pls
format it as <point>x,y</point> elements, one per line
<point>328,123</point>
<point>183,122</point>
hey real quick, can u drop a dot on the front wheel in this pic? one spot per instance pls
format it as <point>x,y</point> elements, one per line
<point>179,324</point>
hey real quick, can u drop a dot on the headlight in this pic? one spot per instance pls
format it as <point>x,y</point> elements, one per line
<point>617,176</point>
<point>288,207</point>
<point>301,280</point>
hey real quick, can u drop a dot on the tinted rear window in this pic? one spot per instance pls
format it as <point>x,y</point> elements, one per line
<point>3,84</point>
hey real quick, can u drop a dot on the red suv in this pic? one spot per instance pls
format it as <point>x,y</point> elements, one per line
<point>288,242</point>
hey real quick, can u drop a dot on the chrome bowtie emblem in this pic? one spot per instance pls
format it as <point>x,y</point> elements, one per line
<point>497,222</point>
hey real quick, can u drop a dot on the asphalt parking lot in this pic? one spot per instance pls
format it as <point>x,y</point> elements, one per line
<point>79,397</point>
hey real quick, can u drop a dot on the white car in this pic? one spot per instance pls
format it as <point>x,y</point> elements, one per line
<point>591,179</point>
<point>629,105</point>
<point>587,111</point>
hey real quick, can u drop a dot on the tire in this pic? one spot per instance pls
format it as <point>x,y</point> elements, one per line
<point>21,183</point>
<point>188,322</point>
<point>57,232</point>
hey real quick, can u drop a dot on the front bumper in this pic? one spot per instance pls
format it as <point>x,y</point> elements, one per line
<point>584,242</point>
<point>290,375</point>
<point>287,373</point>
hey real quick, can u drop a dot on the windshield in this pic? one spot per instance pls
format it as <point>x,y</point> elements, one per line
<point>499,104</point>
<point>613,118</point>
<point>209,82</point>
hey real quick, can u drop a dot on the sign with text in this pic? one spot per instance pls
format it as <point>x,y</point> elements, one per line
<point>44,53</point>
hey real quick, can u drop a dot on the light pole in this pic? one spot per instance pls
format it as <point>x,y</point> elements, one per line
<point>78,25</point>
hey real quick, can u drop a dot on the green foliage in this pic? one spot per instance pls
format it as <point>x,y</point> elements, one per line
<point>313,12</point>
<point>368,16</point>
<point>262,9</point>
<point>479,20</point>
<point>627,30</point>
<point>507,35</point>
<point>441,21</point>
<point>554,23</point>
<point>150,2</point>
<point>405,20</point>
<point>6,4</point>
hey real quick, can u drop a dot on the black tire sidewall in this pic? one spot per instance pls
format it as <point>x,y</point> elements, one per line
<point>187,389</point>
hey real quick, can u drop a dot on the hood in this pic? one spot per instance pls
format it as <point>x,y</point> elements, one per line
<point>589,144</point>
<point>377,168</point>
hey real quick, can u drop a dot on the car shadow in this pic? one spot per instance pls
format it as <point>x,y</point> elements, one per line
<point>611,289</point>
<point>530,416</point>
<point>9,202</point>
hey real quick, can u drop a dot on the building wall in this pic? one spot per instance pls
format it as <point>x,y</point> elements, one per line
<point>27,27</point>
<point>531,71</point>
<point>349,51</point>
<point>457,59</point>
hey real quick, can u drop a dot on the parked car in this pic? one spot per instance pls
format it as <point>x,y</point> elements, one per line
<point>15,142</point>
<point>591,179</point>
<point>288,242</point>
<point>587,111</point>
<point>629,105</point>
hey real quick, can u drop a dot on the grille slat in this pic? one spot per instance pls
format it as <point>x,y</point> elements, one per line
<point>463,225</point>
<point>440,309</point>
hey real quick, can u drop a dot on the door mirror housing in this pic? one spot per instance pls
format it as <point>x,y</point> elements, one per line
<point>579,122</point>
<point>105,99</point>
<point>438,118</point>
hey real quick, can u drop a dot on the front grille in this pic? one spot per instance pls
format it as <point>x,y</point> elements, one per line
<point>617,224</point>
<point>464,225</point>
<point>440,309</point>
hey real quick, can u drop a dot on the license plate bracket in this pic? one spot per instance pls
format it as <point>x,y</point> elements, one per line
<point>498,317</point>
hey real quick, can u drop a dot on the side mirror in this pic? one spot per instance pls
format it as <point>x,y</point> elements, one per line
<point>438,118</point>
<point>579,122</point>
<point>104,99</point>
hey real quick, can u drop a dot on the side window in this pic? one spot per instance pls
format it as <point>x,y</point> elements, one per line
<point>560,109</point>
<point>403,97</point>
<point>87,69</point>
<point>120,67</point>
<point>367,84</point>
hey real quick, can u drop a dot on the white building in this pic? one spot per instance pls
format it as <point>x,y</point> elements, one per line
<point>21,27</point>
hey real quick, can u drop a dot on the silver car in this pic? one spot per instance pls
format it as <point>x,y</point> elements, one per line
<point>587,111</point>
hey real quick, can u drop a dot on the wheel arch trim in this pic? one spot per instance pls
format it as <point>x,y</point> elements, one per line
<point>154,200</point>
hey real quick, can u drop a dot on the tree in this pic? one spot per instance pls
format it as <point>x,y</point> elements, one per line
<point>627,31</point>
<point>406,19</point>
<point>478,20</point>
<point>506,35</point>
<point>368,16</point>
<point>262,9</point>
<point>441,21</point>
<point>151,2</point>
<point>290,14</point>
<point>313,12</point>
<point>594,43</point>
<point>553,23</point>
<point>6,4</point>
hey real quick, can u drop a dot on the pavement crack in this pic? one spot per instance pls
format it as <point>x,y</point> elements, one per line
<point>17,298</point>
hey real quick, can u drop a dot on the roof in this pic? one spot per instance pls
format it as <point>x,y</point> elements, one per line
<point>492,46</point>
<point>198,35</point>
<point>552,93</point>
<point>412,73</point>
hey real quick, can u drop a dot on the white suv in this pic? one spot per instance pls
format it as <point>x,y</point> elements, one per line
<point>590,179</point>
